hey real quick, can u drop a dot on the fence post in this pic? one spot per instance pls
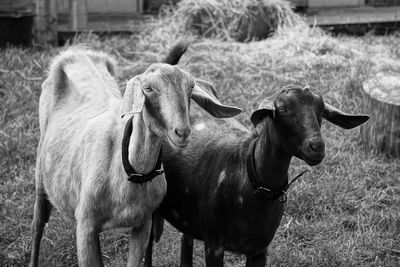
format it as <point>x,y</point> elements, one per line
<point>46,22</point>
<point>78,16</point>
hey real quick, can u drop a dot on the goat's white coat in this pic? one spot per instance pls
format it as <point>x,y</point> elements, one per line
<point>199,126</point>
<point>79,156</point>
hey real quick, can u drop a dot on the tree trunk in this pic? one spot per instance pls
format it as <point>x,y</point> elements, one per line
<point>381,99</point>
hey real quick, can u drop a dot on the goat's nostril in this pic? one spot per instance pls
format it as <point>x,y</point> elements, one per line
<point>316,146</point>
<point>182,133</point>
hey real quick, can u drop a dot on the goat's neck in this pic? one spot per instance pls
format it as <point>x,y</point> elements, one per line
<point>144,146</point>
<point>272,162</point>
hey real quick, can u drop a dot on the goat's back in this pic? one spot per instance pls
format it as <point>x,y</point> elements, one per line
<point>79,81</point>
<point>78,105</point>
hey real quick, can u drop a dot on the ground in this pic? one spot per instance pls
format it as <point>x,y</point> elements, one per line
<point>344,212</point>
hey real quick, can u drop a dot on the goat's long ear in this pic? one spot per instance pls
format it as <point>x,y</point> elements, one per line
<point>266,108</point>
<point>212,105</point>
<point>204,83</point>
<point>344,120</point>
<point>133,99</point>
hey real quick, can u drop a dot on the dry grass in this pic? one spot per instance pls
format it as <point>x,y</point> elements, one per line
<point>232,20</point>
<point>346,212</point>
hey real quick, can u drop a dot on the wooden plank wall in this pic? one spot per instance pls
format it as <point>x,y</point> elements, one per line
<point>382,2</point>
<point>17,6</point>
<point>343,3</point>
<point>104,6</point>
<point>78,14</point>
<point>46,22</point>
<point>335,3</point>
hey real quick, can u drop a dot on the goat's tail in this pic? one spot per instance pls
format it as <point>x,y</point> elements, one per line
<point>176,52</point>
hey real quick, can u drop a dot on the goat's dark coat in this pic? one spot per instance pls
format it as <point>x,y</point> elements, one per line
<point>209,196</point>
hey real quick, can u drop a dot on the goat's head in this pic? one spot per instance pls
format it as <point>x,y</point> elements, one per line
<point>297,116</point>
<point>162,94</point>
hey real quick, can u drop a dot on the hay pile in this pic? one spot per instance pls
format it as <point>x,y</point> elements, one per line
<point>237,20</point>
<point>227,20</point>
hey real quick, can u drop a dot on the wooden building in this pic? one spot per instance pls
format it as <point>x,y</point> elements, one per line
<point>347,12</point>
<point>16,22</point>
<point>66,16</point>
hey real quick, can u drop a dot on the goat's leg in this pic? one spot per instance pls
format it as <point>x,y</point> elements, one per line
<point>157,227</point>
<point>186,251</point>
<point>214,255</point>
<point>137,243</point>
<point>148,259</point>
<point>259,260</point>
<point>41,214</point>
<point>87,241</point>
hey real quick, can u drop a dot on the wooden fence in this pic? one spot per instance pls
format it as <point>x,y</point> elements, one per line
<point>60,16</point>
<point>54,16</point>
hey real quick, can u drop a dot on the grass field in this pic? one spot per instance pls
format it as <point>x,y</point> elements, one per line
<point>344,212</point>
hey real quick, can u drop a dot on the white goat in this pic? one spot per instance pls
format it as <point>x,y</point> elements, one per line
<point>79,168</point>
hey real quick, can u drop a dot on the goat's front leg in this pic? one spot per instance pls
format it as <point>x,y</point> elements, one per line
<point>87,241</point>
<point>259,260</point>
<point>214,255</point>
<point>137,243</point>
<point>41,214</point>
<point>148,260</point>
<point>186,251</point>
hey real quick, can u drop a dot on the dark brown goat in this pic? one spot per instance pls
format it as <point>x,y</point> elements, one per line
<point>228,186</point>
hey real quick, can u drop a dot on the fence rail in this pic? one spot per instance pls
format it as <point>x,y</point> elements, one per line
<point>60,16</point>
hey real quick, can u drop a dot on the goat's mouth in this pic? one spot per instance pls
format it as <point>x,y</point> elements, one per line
<point>312,151</point>
<point>312,160</point>
<point>176,144</point>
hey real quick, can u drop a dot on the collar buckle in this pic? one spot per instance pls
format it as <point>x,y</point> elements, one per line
<point>139,178</point>
<point>283,197</point>
<point>266,194</point>
<point>263,193</point>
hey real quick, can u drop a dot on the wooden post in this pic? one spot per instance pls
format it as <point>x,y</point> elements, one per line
<point>139,8</point>
<point>46,22</point>
<point>79,15</point>
<point>381,99</point>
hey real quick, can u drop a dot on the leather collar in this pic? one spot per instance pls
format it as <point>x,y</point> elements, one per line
<point>260,191</point>
<point>133,176</point>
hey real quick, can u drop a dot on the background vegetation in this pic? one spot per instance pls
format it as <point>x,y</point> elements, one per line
<point>344,212</point>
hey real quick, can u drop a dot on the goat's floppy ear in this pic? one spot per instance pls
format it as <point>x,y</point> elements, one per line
<point>204,83</point>
<point>133,99</point>
<point>344,120</point>
<point>266,108</point>
<point>212,105</point>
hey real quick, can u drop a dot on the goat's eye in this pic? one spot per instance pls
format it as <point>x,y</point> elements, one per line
<point>148,89</point>
<point>281,109</point>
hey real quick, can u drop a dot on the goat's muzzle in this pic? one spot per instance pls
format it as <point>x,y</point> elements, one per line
<point>313,150</point>
<point>179,137</point>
